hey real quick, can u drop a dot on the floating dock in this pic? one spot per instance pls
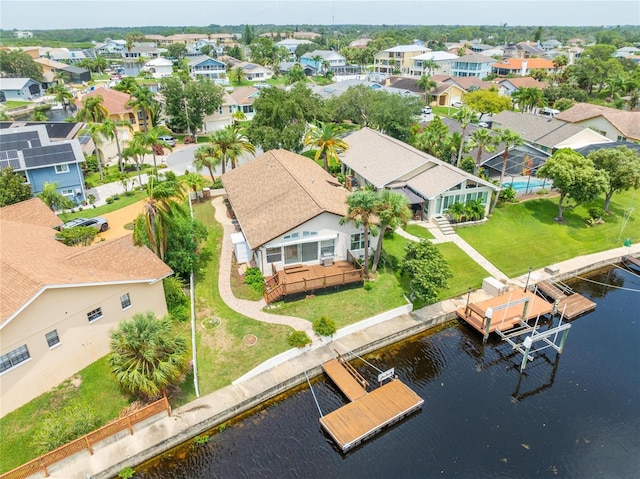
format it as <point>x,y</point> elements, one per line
<point>569,304</point>
<point>368,413</point>
<point>631,262</point>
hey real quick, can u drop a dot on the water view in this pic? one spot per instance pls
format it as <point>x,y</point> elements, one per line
<point>576,415</point>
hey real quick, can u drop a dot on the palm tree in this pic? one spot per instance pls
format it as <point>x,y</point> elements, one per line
<point>62,95</point>
<point>231,144</point>
<point>207,156</point>
<point>560,62</point>
<point>362,206</point>
<point>151,138</point>
<point>99,132</point>
<point>113,126</point>
<point>162,206</point>
<point>236,75</point>
<point>430,66</point>
<point>38,115</point>
<point>464,115</point>
<point>54,200</point>
<point>238,116</point>
<point>510,139</point>
<point>92,110</point>
<point>317,60</point>
<point>142,101</point>
<point>147,356</point>
<point>483,140</point>
<point>326,138</point>
<point>127,85</point>
<point>195,181</point>
<point>519,98</point>
<point>136,152</point>
<point>394,212</point>
<point>426,84</point>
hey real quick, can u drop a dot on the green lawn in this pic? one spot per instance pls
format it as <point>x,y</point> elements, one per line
<point>10,104</point>
<point>419,231</point>
<point>97,390</point>
<point>523,235</point>
<point>112,174</point>
<point>350,305</point>
<point>222,356</point>
<point>100,210</point>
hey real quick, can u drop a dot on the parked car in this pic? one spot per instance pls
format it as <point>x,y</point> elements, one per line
<point>99,223</point>
<point>427,110</point>
<point>457,104</point>
<point>548,112</point>
<point>171,141</point>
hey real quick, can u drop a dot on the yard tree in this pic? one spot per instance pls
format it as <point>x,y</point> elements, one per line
<point>195,181</point>
<point>13,187</point>
<point>151,139</point>
<point>177,50</point>
<point>100,132</point>
<point>296,74</point>
<point>426,84</point>
<point>17,64</point>
<point>427,270</point>
<point>282,116</point>
<point>362,206</point>
<point>393,212</point>
<point>483,140</point>
<point>207,156</point>
<point>326,138</point>
<point>188,102</point>
<point>433,139</point>
<point>183,245</point>
<point>622,164</point>
<point>464,116</point>
<point>62,95</point>
<point>147,355</point>
<point>487,101</point>
<point>136,151</point>
<point>52,198</point>
<point>510,139</point>
<point>575,177</point>
<point>92,110</point>
<point>143,102</point>
<point>160,210</point>
<point>236,75</point>
<point>77,236</point>
<point>231,144</point>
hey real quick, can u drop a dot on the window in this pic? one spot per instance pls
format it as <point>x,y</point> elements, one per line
<point>95,314</point>
<point>13,358</point>
<point>52,338</point>
<point>68,192</point>
<point>327,247</point>
<point>292,236</point>
<point>125,301</point>
<point>622,138</point>
<point>306,234</point>
<point>357,241</point>
<point>274,255</point>
<point>61,169</point>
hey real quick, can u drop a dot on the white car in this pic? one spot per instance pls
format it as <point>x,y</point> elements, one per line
<point>456,104</point>
<point>101,224</point>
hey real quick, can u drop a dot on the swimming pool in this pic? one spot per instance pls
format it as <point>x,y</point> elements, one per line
<point>529,184</point>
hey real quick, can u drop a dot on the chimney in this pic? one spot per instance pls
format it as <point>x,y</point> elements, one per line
<point>523,70</point>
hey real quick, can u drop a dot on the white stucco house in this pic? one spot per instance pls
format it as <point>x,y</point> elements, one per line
<point>430,185</point>
<point>289,211</point>
<point>159,67</point>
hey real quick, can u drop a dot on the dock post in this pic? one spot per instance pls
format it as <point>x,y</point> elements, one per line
<point>527,344</point>
<point>562,340</point>
<point>488,316</point>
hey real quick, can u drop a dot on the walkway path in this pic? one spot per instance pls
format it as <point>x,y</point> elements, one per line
<point>251,309</point>
<point>462,244</point>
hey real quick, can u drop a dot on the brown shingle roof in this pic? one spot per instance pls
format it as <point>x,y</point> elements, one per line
<point>626,122</point>
<point>114,101</point>
<point>279,190</point>
<point>525,82</point>
<point>32,260</point>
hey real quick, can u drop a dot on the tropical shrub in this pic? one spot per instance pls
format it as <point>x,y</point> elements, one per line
<point>508,194</point>
<point>62,427</point>
<point>254,279</point>
<point>324,326</point>
<point>298,339</point>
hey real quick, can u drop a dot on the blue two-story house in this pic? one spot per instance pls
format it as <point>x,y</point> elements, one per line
<point>30,151</point>
<point>207,67</point>
<point>472,65</point>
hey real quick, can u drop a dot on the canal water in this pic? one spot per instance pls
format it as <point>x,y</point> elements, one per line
<point>576,415</point>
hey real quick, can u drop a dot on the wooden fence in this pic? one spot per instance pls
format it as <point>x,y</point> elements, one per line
<point>87,442</point>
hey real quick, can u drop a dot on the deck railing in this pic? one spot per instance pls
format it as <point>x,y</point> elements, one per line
<point>87,441</point>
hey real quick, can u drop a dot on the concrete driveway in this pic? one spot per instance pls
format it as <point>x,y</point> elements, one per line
<point>181,160</point>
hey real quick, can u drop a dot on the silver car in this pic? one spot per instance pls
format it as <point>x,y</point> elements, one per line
<point>99,223</point>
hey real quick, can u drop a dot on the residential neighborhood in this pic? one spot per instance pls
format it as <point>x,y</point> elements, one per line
<point>259,204</point>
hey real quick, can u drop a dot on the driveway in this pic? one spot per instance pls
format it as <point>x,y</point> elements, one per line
<point>119,218</point>
<point>181,160</point>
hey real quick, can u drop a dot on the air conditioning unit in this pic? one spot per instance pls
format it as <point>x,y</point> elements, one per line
<point>327,260</point>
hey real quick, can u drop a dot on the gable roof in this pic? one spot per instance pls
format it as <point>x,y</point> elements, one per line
<point>524,82</point>
<point>548,132</point>
<point>202,59</point>
<point>32,260</point>
<point>15,83</point>
<point>475,58</point>
<point>113,100</point>
<point>279,190</point>
<point>383,160</point>
<point>626,122</point>
<point>463,82</point>
<point>325,54</point>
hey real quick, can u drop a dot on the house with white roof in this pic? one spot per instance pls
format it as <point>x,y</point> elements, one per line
<point>442,59</point>
<point>397,58</point>
<point>430,185</point>
<point>159,67</point>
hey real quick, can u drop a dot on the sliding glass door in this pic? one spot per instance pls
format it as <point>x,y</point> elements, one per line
<point>301,253</point>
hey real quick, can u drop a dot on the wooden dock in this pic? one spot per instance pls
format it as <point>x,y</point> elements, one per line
<point>550,290</point>
<point>575,305</point>
<point>511,304</point>
<point>368,413</point>
<point>631,262</point>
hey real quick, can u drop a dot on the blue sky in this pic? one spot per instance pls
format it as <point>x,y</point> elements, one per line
<point>50,14</point>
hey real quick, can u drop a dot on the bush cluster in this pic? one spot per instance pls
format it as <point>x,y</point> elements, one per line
<point>298,339</point>
<point>64,426</point>
<point>254,279</point>
<point>324,326</point>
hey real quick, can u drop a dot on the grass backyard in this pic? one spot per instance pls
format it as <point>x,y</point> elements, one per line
<point>90,387</point>
<point>419,231</point>
<point>525,234</point>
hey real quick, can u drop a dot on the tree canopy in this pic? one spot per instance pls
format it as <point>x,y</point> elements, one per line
<point>487,101</point>
<point>13,187</point>
<point>622,164</point>
<point>575,177</point>
<point>17,64</point>
<point>427,270</point>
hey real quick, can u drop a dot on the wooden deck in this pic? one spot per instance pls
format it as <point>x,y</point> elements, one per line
<point>550,290</point>
<point>631,262</point>
<point>575,305</point>
<point>504,319</point>
<point>302,278</point>
<point>345,381</point>
<point>363,418</point>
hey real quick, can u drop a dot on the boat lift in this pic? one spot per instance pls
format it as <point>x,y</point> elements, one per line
<point>533,335</point>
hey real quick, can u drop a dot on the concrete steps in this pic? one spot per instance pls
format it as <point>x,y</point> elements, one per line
<point>444,225</point>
